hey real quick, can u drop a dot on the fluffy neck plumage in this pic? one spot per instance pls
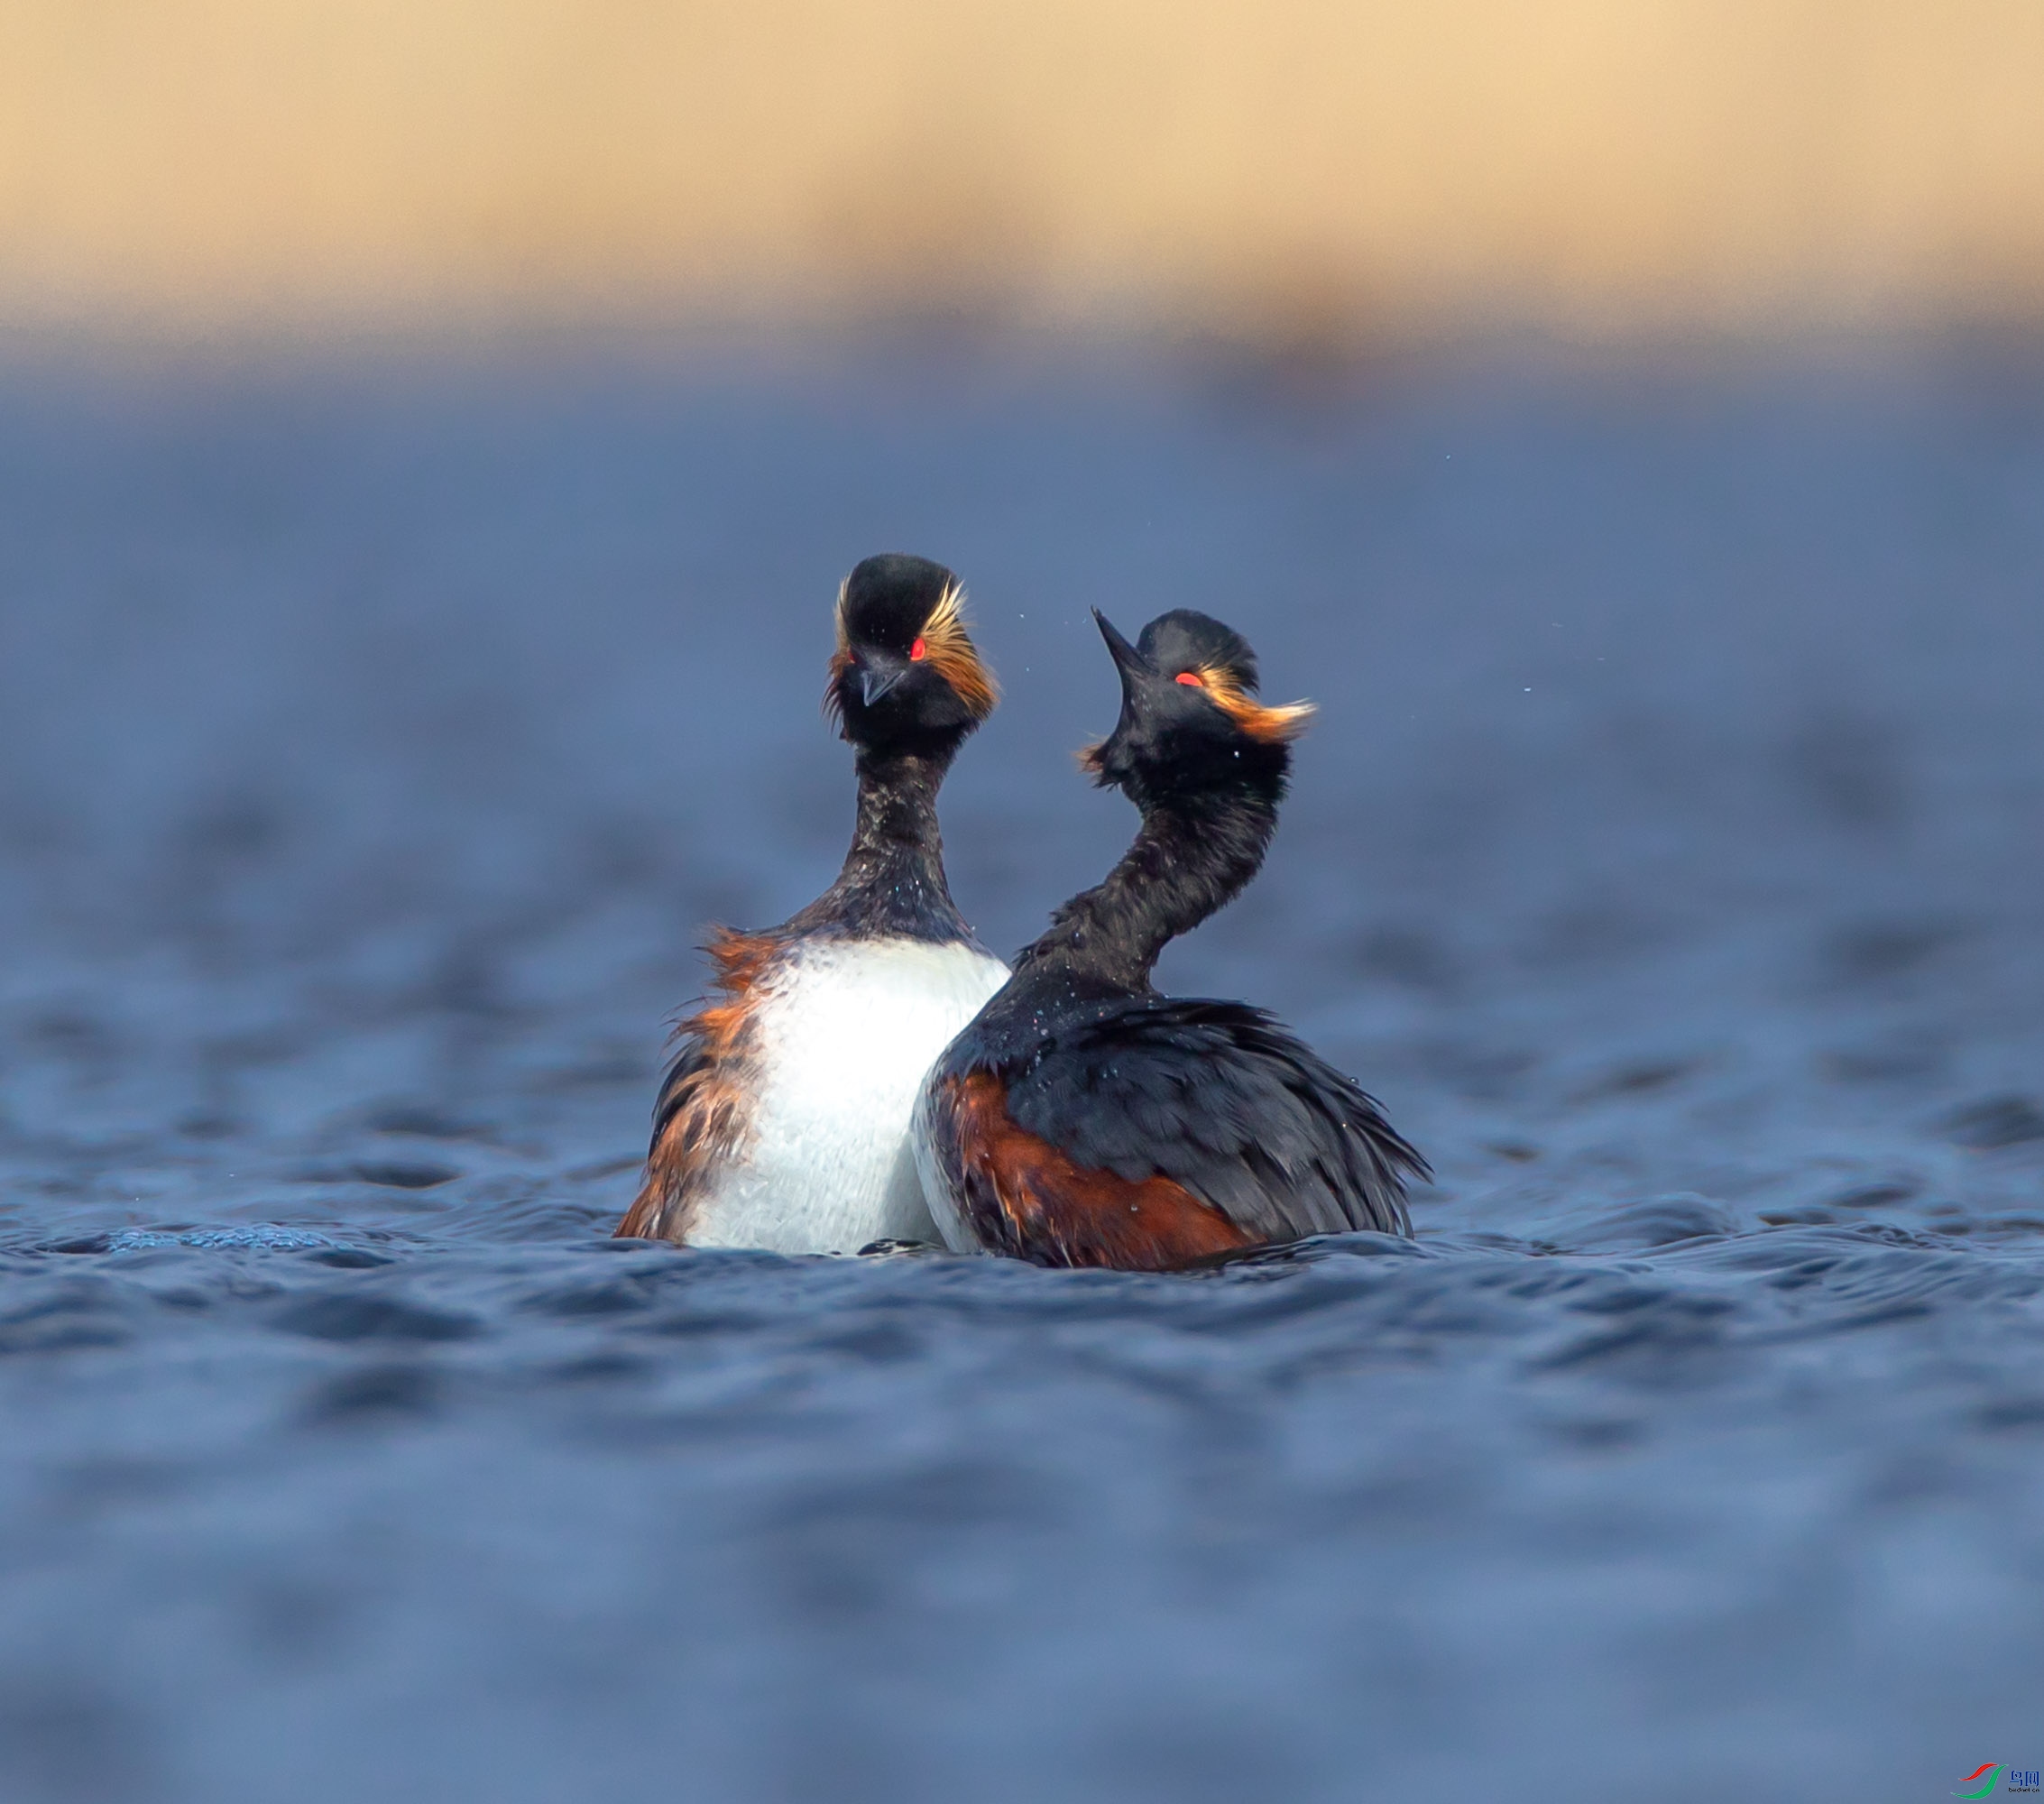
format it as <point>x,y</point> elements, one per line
<point>893,878</point>
<point>1191,856</point>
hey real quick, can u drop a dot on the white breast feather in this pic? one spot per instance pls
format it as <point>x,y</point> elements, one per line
<point>846,1031</point>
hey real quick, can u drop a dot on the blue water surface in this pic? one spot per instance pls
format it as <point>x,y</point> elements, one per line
<point>377,735</point>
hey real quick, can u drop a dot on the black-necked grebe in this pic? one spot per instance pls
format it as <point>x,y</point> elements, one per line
<point>1083,1119</point>
<point>783,1122</point>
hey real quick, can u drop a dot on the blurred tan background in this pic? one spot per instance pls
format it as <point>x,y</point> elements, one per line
<point>1593,167</point>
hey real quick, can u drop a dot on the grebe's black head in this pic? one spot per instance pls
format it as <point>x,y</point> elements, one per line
<point>1190,720</point>
<point>905,679</point>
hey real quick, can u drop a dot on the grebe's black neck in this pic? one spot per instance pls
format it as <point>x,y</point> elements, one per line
<point>893,883</point>
<point>1193,855</point>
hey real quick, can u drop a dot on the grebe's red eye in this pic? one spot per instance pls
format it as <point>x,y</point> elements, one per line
<point>918,651</point>
<point>1191,679</point>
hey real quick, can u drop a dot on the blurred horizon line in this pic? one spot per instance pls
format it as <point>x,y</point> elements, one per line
<point>1280,360</point>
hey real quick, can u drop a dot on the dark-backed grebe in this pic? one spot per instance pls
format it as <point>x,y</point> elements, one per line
<point>784,1120</point>
<point>1083,1119</point>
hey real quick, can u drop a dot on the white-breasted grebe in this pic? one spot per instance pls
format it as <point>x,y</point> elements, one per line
<point>783,1122</point>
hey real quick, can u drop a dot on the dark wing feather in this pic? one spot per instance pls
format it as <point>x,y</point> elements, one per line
<point>702,1119</point>
<point>690,1066</point>
<point>1017,1194</point>
<point>1222,1098</point>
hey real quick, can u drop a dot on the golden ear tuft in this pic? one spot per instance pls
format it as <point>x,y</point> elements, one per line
<point>953,656</point>
<point>1270,726</point>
